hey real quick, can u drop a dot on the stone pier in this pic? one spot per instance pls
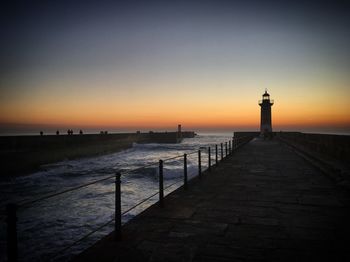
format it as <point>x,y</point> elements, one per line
<point>263,203</point>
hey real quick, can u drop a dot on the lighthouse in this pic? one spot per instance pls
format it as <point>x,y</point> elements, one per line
<point>265,118</point>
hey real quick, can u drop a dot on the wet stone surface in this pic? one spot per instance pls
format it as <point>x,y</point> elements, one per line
<point>263,203</point>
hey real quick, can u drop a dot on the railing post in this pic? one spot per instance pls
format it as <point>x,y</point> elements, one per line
<point>161,185</point>
<point>222,152</point>
<point>118,209</point>
<point>209,159</point>
<point>225,149</point>
<point>229,147</point>
<point>185,171</point>
<point>12,248</point>
<point>216,154</point>
<point>199,164</point>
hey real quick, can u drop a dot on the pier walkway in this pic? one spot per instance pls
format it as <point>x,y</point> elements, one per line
<point>263,203</point>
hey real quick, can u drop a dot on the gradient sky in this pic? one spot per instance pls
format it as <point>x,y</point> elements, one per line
<point>152,65</point>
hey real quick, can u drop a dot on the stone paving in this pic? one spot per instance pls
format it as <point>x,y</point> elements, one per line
<point>264,203</point>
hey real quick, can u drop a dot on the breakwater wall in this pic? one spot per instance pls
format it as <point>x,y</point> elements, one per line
<point>335,146</point>
<point>23,154</point>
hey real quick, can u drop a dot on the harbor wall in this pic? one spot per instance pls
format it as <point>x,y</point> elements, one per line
<point>24,154</point>
<point>336,146</point>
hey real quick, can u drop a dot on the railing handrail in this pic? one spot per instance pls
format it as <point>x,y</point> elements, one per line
<point>110,221</point>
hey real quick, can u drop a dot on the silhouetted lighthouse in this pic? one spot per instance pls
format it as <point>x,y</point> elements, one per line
<point>265,122</point>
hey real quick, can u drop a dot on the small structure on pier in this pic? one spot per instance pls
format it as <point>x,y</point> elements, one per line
<point>265,122</point>
<point>179,131</point>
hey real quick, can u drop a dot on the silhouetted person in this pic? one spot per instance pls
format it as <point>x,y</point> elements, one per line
<point>41,133</point>
<point>57,132</point>
<point>81,132</point>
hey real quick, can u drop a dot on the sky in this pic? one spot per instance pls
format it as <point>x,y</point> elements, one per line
<point>151,65</point>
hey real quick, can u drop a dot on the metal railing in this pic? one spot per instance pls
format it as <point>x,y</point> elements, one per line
<point>225,150</point>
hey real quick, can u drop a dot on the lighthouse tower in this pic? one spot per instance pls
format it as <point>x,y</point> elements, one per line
<point>265,122</point>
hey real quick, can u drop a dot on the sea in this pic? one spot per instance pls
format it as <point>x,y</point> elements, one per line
<point>48,229</point>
